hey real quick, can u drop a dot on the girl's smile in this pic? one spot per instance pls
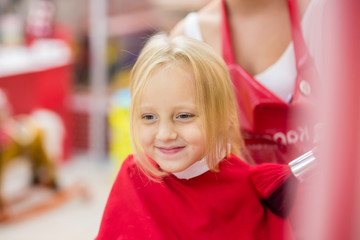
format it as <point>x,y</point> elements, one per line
<point>170,150</point>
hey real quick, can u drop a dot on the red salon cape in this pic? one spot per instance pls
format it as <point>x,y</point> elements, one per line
<point>275,130</point>
<point>214,205</point>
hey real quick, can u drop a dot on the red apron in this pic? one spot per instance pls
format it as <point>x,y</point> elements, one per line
<point>274,130</point>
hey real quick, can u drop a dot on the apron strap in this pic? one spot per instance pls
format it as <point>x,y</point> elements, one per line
<point>302,54</point>
<point>227,45</point>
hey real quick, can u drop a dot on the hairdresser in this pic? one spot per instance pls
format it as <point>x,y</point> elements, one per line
<point>272,50</point>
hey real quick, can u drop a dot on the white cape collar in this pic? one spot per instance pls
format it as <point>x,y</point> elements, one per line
<point>194,170</point>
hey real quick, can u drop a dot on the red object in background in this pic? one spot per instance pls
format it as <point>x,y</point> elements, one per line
<point>47,87</point>
<point>344,118</point>
<point>334,212</point>
<point>41,89</point>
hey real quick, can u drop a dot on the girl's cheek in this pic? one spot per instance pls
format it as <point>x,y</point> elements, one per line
<point>146,134</point>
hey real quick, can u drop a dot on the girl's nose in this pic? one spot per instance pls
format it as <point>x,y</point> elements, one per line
<point>166,132</point>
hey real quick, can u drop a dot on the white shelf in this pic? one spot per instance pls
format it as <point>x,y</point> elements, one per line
<point>41,55</point>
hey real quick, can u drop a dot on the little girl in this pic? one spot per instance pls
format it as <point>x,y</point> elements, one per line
<point>186,179</point>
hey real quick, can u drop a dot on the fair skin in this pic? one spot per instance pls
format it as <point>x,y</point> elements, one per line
<point>169,126</point>
<point>260,30</point>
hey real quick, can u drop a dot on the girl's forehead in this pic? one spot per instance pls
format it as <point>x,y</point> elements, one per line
<point>169,74</point>
<point>169,85</point>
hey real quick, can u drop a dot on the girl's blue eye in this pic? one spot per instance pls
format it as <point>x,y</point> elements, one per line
<point>148,117</point>
<point>185,115</point>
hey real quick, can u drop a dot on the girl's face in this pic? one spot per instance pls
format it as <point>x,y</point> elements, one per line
<point>169,125</point>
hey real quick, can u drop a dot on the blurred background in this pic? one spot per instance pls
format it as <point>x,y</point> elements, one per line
<point>64,112</point>
<point>64,105</point>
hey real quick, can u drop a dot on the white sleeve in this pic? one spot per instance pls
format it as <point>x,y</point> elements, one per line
<point>192,28</point>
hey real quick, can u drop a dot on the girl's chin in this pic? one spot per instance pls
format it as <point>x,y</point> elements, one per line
<point>172,169</point>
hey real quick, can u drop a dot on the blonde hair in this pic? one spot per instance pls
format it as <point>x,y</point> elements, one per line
<point>215,98</point>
